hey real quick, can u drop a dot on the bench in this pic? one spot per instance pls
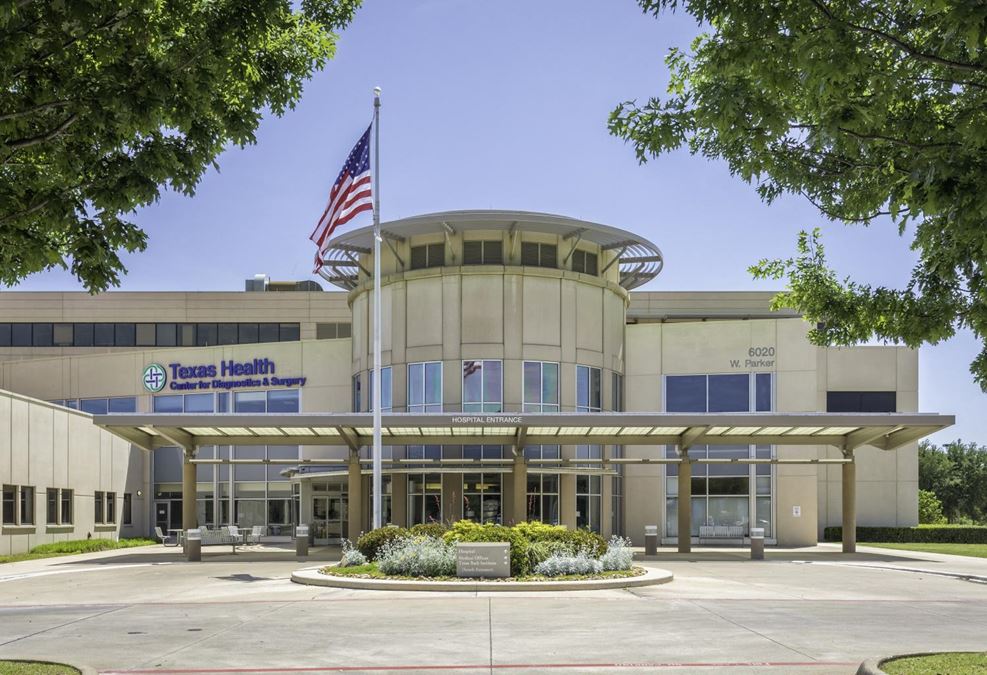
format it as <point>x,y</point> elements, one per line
<point>721,533</point>
<point>224,536</point>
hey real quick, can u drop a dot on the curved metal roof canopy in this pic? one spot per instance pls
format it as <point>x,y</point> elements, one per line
<point>887,431</point>
<point>638,259</point>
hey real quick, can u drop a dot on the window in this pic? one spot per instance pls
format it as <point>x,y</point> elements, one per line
<point>94,406</point>
<point>83,335</point>
<point>481,497</point>
<point>588,498</point>
<point>541,386</point>
<point>4,334</point>
<point>27,505</point>
<point>483,252</point>
<point>103,335</point>
<point>585,262</point>
<point>21,335</point>
<point>861,401</point>
<point>724,492</point>
<point>62,334</point>
<point>589,396</point>
<point>127,517</point>
<point>122,404</point>
<point>289,332</point>
<point>43,335</point>
<point>539,255</point>
<point>283,401</point>
<point>355,397</point>
<point>66,497</point>
<point>124,335</point>
<point>250,402</point>
<point>51,504</point>
<point>428,255</point>
<point>248,333</point>
<point>169,403</point>
<point>166,335</point>
<point>542,488</point>
<point>425,498</point>
<point>268,332</point>
<point>386,397</point>
<point>331,331</point>
<point>9,504</point>
<point>99,507</point>
<point>618,392</point>
<point>186,334</point>
<point>206,335</point>
<point>145,335</point>
<point>226,333</point>
<point>425,387</point>
<point>483,386</point>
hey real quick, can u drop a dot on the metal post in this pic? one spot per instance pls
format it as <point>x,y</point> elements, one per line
<point>850,506</point>
<point>685,504</point>
<point>377,468</point>
<point>189,515</point>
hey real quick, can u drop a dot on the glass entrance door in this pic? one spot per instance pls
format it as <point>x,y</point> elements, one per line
<point>329,519</point>
<point>168,515</point>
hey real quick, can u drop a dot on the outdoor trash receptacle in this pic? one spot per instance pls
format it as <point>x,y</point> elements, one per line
<point>650,540</point>
<point>193,545</point>
<point>757,543</point>
<point>301,541</point>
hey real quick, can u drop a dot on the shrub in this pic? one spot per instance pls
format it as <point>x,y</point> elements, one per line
<point>923,534</point>
<point>586,540</point>
<point>535,531</point>
<point>540,551</point>
<point>89,545</point>
<point>419,556</point>
<point>351,556</point>
<point>369,544</point>
<point>468,531</point>
<point>561,564</point>
<point>930,509</point>
<point>429,529</point>
<point>619,555</point>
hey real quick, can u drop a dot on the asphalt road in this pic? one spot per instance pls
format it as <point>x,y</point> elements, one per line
<point>800,612</point>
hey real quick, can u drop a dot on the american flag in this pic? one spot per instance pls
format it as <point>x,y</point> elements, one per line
<point>350,195</point>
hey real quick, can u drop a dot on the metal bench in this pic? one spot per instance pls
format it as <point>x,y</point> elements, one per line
<point>224,536</point>
<point>721,533</point>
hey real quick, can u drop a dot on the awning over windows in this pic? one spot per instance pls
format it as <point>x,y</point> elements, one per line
<point>845,431</point>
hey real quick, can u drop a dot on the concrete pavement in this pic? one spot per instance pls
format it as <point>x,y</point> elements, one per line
<point>800,611</point>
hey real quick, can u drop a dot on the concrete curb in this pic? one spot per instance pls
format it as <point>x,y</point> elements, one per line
<point>313,577</point>
<point>962,576</point>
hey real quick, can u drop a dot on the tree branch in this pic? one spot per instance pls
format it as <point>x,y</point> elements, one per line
<point>880,137</point>
<point>22,143</point>
<point>901,44</point>
<point>33,109</point>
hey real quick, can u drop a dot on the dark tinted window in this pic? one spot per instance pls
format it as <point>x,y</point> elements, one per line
<point>762,389</point>
<point>861,401</point>
<point>268,332</point>
<point>20,335</point>
<point>729,393</point>
<point>4,334</point>
<point>428,255</point>
<point>247,333</point>
<point>62,334</point>
<point>125,335</point>
<point>94,406</point>
<point>227,334</point>
<point>186,334</point>
<point>83,336</point>
<point>483,252</point>
<point>206,335</point>
<point>289,332</point>
<point>539,255</point>
<point>123,404</point>
<point>145,334</point>
<point>43,335</point>
<point>103,335</point>
<point>585,262</point>
<point>685,393</point>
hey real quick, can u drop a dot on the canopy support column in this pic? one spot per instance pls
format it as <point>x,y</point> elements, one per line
<point>849,504</point>
<point>685,504</point>
<point>519,498</point>
<point>354,498</point>
<point>189,511</point>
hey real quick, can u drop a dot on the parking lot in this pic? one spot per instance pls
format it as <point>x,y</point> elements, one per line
<point>812,611</point>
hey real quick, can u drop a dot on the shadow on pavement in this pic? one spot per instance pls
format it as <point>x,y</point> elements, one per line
<point>788,555</point>
<point>221,555</point>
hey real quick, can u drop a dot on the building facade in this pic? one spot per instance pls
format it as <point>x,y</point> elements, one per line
<point>483,313</point>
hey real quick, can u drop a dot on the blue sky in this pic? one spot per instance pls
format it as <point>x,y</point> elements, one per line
<point>504,105</point>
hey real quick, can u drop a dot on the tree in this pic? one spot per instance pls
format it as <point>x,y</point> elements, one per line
<point>104,103</point>
<point>957,475</point>
<point>874,112</point>
<point>929,509</point>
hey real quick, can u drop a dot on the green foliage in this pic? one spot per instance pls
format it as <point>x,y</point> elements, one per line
<point>957,475</point>
<point>17,667</point>
<point>429,529</point>
<point>936,664</point>
<point>872,112</point>
<point>575,540</point>
<point>369,544</point>
<point>930,509</point>
<point>540,551</point>
<point>468,531</point>
<point>103,104</point>
<point>929,534</point>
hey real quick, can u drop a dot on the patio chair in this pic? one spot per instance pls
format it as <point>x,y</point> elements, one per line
<point>166,539</point>
<point>234,533</point>
<point>256,532</point>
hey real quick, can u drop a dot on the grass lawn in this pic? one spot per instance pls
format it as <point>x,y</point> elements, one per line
<point>952,663</point>
<point>72,548</point>
<point>35,668</point>
<point>973,550</point>
<point>370,571</point>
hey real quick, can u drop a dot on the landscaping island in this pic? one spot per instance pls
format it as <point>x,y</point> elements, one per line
<point>525,556</point>
<point>954,663</point>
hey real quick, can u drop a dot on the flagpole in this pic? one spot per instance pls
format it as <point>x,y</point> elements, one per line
<point>377,383</point>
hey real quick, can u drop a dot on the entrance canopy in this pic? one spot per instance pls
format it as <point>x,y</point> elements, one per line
<point>845,431</point>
